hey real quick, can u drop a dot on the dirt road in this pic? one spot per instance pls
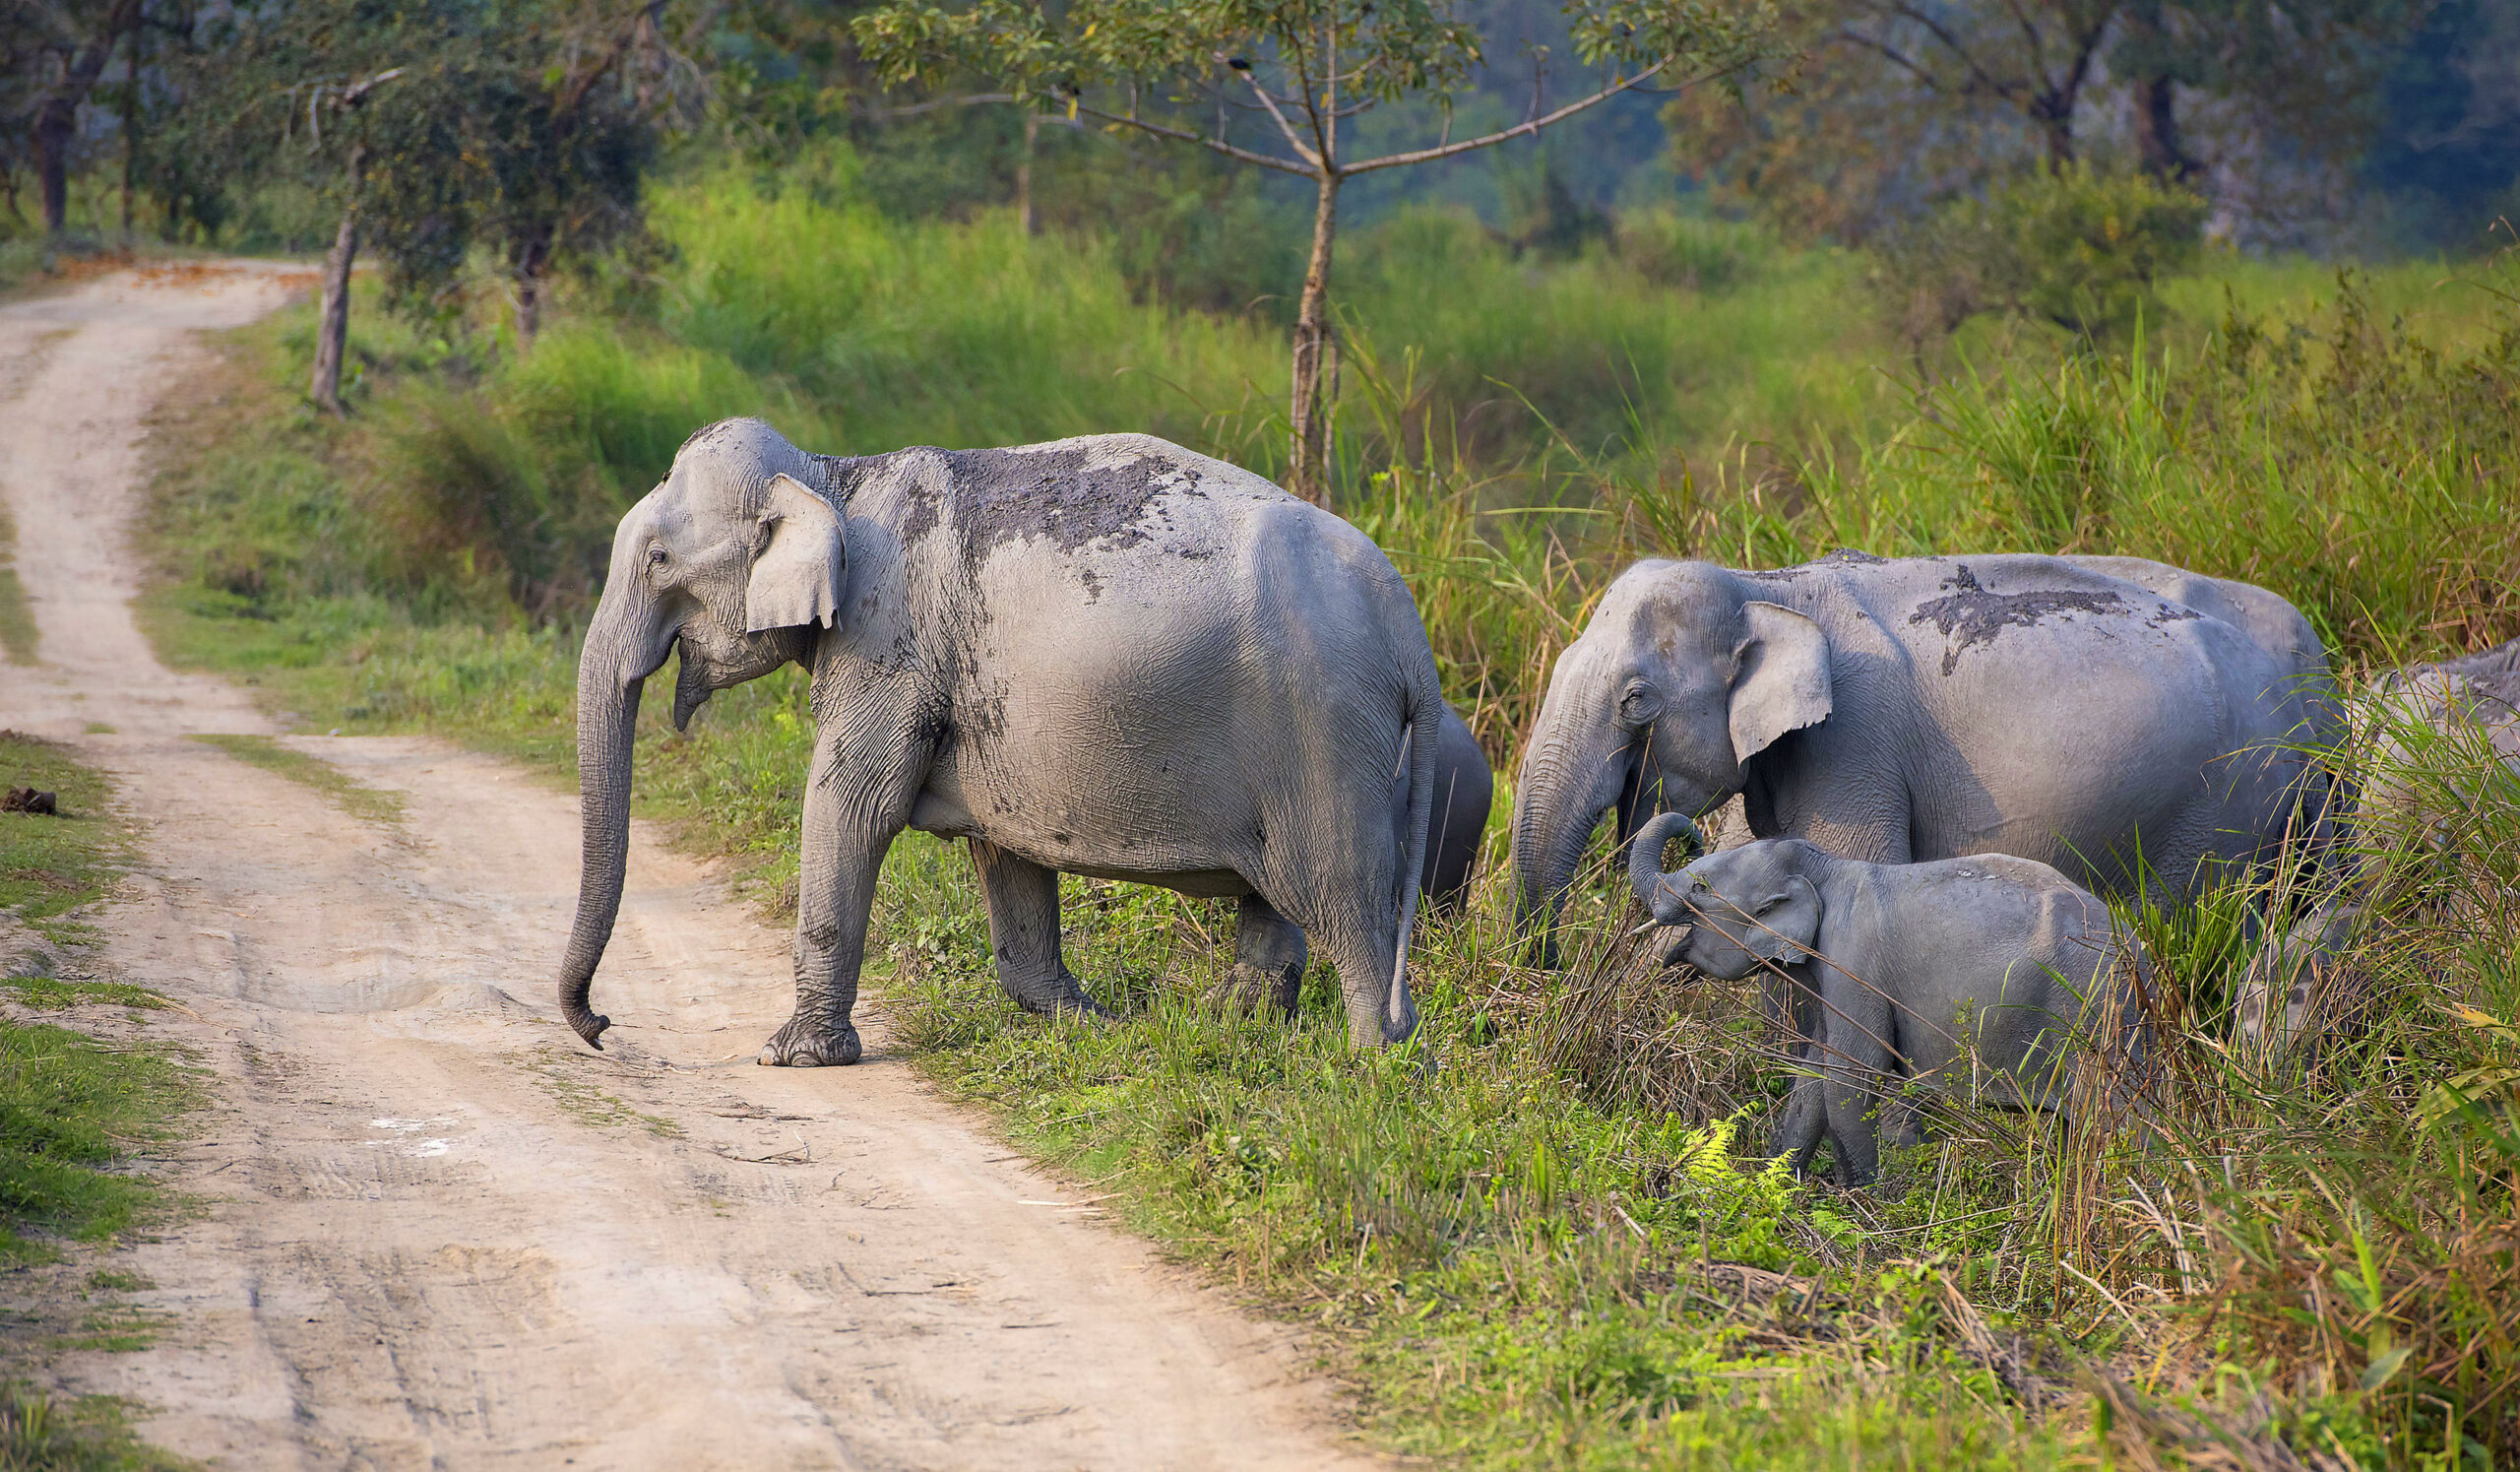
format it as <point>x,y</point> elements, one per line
<point>441,1233</point>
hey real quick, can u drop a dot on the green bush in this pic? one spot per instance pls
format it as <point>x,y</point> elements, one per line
<point>2069,246</point>
<point>1694,252</point>
<point>2085,248</point>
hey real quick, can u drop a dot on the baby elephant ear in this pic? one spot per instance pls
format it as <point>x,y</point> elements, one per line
<point>801,571</point>
<point>1789,925</point>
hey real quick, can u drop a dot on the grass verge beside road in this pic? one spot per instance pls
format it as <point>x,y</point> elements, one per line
<point>365,804</point>
<point>74,1109</point>
<point>85,1095</point>
<point>17,620</point>
<point>53,864</point>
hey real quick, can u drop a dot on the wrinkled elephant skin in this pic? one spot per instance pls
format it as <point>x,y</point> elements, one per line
<point>1106,656</point>
<point>1270,954</point>
<point>1978,975</point>
<point>2113,717</point>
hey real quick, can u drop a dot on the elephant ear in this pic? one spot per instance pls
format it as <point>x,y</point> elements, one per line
<point>1782,681</point>
<point>801,571</point>
<point>1787,924</point>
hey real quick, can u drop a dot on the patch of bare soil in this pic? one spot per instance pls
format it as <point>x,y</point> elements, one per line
<point>435,1232</point>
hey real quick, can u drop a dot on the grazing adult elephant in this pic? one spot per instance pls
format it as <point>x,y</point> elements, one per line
<point>1105,656</point>
<point>2104,715</point>
<point>1270,953</point>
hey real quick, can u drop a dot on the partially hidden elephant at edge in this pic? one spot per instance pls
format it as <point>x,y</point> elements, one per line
<point>1981,973</point>
<point>1270,953</point>
<point>1106,656</point>
<point>2104,715</point>
<point>2414,737</point>
<point>2427,745</point>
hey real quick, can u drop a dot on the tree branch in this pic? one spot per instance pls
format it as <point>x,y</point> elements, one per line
<point>1305,171</point>
<point>2037,61</point>
<point>933,104</point>
<point>579,87</point>
<point>1893,55</point>
<point>1951,43</point>
<point>1309,156</point>
<point>1529,127</point>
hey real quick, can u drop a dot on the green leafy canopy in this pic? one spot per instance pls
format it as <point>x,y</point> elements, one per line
<point>1332,57</point>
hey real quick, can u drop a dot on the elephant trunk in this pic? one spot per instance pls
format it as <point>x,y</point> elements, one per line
<point>1644,872</point>
<point>609,688</point>
<point>1561,792</point>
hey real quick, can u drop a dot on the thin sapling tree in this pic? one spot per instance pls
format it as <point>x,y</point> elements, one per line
<point>1277,84</point>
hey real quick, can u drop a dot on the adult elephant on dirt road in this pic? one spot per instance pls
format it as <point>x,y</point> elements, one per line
<point>1105,656</point>
<point>2104,715</point>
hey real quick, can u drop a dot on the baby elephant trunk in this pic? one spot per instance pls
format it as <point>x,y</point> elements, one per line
<point>1644,872</point>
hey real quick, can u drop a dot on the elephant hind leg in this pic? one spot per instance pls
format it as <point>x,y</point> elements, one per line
<point>1024,933</point>
<point>1269,958</point>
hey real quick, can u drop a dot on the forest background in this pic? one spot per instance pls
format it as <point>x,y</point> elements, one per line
<point>2219,283</point>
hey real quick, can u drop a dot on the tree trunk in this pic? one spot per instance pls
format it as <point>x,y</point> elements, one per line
<point>55,124</point>
<point>2157,139</point>
<point>532,259</point>
<point>528,310</point>
<point>1309,467</point>
<point>130,127</point>
<point>333,325</point>
<point>2059,128</point>
<point>1023,175</point>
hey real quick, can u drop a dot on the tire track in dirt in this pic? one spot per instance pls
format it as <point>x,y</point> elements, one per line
<point>440,1233</point>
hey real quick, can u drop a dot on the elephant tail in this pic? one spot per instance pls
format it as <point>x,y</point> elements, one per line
<point>1425,710</point>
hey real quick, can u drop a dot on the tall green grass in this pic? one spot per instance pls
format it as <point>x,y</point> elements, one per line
<point>1519,1227</point>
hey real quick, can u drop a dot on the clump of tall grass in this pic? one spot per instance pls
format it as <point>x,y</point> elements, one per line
<point>2344,462</point>
<point>2338,460</point>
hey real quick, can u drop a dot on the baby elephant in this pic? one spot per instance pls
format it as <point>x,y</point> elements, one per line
<point>1961,973</point>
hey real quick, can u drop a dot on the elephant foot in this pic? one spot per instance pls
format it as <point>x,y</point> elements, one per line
<point>1247,989</point>
<point>1069,1000</point>
<point>810,1043</point>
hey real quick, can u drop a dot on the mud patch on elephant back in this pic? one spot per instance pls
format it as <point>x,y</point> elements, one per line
<point>922,515</point>
<point>1002,495</point>
<point>843,474</point>
<point>1844,556</point>
<point>1973,616</point>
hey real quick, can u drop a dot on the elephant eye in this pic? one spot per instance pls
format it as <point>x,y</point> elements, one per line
<point>1639,703</point>
<point>657,557</point>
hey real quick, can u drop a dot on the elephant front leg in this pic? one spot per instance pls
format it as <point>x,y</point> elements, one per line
<point>831,949</point>
<point>1800,1124</point>
<point>1024,933</point>
<point>847,833</point>
<point>1269,958</point>
<point>1856,1064</point>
